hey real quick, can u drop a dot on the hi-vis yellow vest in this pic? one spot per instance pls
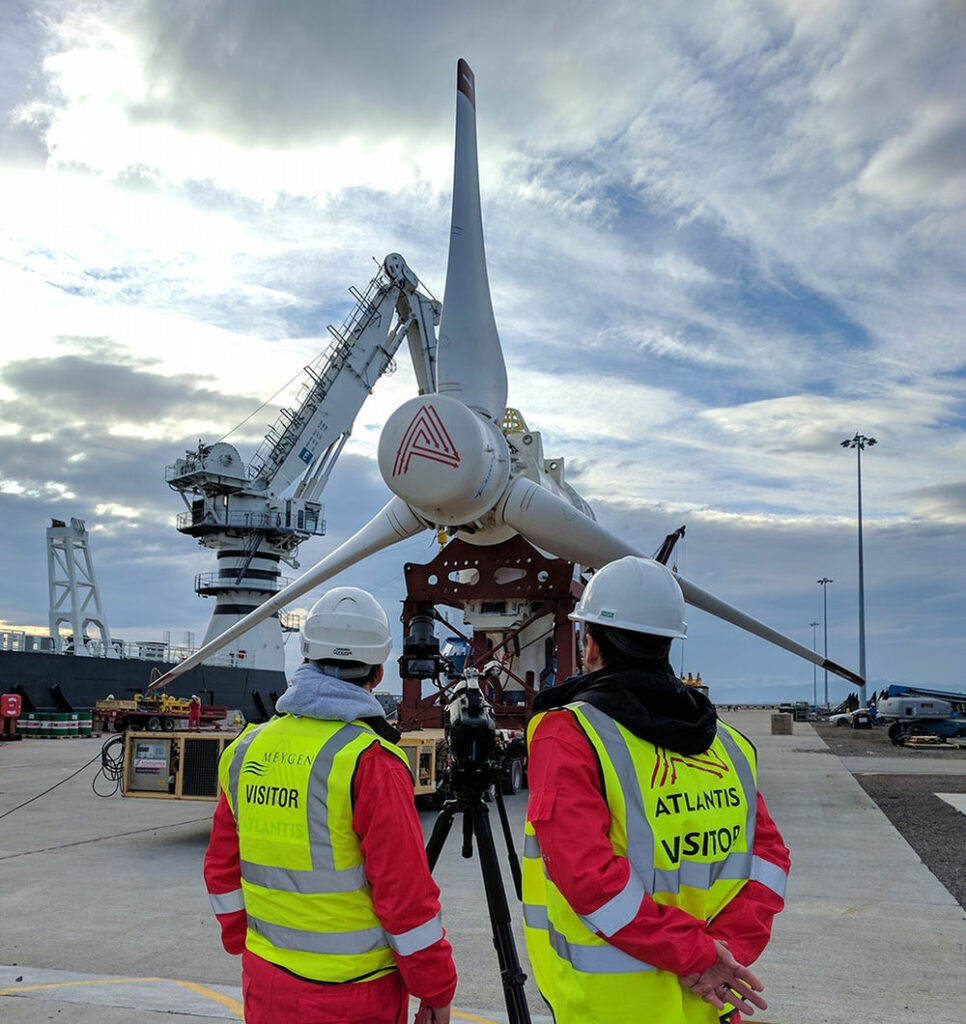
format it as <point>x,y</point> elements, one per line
<point>309,906</point>
<point>686,824</point>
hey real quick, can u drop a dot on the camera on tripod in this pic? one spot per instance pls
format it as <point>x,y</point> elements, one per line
<point>471,734</point>
<point>477,768</point>
<point>481,756</point>
<point>420,657</point>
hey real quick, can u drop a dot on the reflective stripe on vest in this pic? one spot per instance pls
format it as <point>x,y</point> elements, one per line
<point>586,959</point>
<point>365,940</point>
<point>758,870</point>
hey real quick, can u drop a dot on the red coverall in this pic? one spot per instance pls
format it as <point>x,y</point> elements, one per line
<point>403,893</point>
<point>571,819</point>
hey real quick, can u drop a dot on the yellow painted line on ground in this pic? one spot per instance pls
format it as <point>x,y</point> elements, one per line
<point>71,984</point>
<point>231,1004</point>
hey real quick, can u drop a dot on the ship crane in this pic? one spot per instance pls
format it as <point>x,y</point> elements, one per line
<point>255,517</point>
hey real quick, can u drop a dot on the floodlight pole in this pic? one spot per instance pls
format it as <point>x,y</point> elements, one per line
<point>814,674</point>
<point>859,443</point>
<point>824,582</point>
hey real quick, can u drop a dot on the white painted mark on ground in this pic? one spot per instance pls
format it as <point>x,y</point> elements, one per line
<point>958,800</point>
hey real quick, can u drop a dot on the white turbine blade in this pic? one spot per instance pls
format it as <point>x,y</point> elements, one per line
<point>715,606</point>
<point>470,362</point>
<point>551,523</point>
<point>395,522</point>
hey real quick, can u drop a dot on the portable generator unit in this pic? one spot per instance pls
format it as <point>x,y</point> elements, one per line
<point>180,766</point>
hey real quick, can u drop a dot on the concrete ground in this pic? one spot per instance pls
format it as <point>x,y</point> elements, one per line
<point>104,916</point>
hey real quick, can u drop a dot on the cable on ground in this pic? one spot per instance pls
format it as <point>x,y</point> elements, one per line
<point>112,765</point>
<point>104,768</point>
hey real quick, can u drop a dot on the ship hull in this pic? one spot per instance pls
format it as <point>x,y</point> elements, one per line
<point>63,682</point>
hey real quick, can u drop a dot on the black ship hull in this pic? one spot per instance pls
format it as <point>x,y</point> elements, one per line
<point>64,682</point>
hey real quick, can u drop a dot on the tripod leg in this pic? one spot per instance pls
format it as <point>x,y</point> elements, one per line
<point>510,848</point>
<point>467,848</point>
<point>510,972</point>
<point>440,831</point>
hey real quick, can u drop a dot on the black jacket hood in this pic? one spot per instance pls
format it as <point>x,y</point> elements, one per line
<point>645,697</point>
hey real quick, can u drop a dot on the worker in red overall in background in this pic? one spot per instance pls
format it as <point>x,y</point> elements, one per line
<point>194,713</point>
<point>316,868</point>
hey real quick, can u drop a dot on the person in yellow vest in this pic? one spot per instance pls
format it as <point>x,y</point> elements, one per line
<point>652,869</point>
<point>316,868</point>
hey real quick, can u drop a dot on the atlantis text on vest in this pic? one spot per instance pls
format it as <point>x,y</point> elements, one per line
<point>709,799</point>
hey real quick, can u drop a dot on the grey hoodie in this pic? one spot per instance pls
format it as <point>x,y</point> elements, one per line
<point>316,695</point>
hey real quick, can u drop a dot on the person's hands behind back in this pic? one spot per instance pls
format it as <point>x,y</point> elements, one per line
<point>727,981</point>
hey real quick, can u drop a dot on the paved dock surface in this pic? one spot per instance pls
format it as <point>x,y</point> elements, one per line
<point>104,916</point>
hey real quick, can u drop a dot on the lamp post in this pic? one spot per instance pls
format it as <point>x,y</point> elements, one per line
<point>859,442</point>
<point>823,583</point>
<point>814,677</point>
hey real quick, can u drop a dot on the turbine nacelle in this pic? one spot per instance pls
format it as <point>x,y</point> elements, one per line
<point>449,464</point>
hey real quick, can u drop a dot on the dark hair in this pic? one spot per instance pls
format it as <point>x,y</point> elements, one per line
<point>618,645</point>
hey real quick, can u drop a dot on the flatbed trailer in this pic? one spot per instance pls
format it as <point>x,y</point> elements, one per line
<point>153,714</point>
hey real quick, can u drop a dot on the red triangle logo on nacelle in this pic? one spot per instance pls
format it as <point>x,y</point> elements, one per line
<point>425,438</point>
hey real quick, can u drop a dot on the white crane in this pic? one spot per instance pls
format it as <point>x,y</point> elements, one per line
<point>255,517</point>
<point>448,458</point>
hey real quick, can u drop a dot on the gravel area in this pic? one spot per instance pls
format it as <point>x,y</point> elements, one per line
<point>875,742</point>
<point>932,827</point>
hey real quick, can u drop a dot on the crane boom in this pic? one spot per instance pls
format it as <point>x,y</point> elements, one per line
<point>257,516</point>
<point>304,442</point>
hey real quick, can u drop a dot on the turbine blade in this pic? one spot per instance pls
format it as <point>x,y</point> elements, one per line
<point>395,522</point>
<point>694,595</point>
<point>550,522</point>
<point>556,526</point>
<point>470,361</point>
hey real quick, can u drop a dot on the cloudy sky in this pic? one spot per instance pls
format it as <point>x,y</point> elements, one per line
<point>721,237</point>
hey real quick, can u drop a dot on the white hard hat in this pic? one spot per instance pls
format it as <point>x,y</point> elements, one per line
<point>637,594</point>
<point>347,624</point>
<point>492,667</point>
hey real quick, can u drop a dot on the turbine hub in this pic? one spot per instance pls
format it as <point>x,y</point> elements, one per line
<point>445,461</point>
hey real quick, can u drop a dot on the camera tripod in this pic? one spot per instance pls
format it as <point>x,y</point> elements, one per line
<point>469,789</point>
